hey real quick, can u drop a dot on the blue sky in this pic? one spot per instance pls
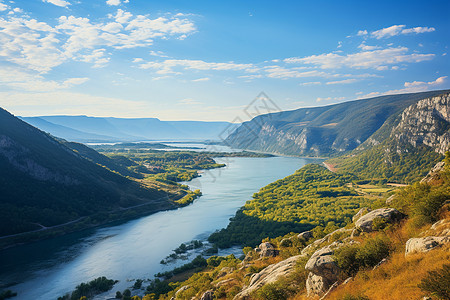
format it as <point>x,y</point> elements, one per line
<point>206,60</point>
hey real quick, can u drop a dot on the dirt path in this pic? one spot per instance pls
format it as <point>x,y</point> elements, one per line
<point>329,167</point>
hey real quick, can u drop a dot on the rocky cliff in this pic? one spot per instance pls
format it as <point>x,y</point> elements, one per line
<point>426,122</point>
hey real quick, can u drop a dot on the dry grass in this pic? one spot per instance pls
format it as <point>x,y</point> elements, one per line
<point>396,279</point>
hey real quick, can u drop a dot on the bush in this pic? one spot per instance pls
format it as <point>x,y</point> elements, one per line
<point>351,297</point>
<point>354,257</point>
<point>437,282</point>
<point>272,291</point>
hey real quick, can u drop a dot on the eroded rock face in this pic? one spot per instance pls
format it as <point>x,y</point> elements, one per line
<point>425,244</point>
<point>426,122</point>
<point>269,275</point>
<point>390,215</point>
<point>316,285</point>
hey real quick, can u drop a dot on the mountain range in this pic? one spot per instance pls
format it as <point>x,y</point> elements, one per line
<point>98,129</point>
<point>328,130</point>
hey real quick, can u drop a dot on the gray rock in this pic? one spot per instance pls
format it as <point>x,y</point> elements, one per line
<point>390,215</point>
<point>390,199</point>
<point>267,250</point>
<point>316,285</point>
<point>269,275</point>
<point>182,289</point>
<point>360,213</point>
<point>322,264</point>
<point>305,235</point>
<point>425,244</point>
<point>208,295</point>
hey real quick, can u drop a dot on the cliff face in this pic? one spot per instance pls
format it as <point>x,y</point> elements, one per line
<point>343,127</point>
<point>426,122</point>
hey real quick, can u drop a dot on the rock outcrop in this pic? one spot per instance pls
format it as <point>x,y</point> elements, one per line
<point>323,269</point>
<point>267,250</point>
<point>389,215</point>
<point>437,236</point>
<point>269,275</point>
<point>425,244</point>
<point>360,213</point>
<point>426,122</point>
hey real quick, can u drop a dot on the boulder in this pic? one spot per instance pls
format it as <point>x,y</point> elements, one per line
<point>323,269</point>
<point>267,250</point>
<point>322,263</point>
<point>208,295</point>
<point>316,285</point>
<point>269,275</point>
<point>360,213</point>
<point>182,289</point>
<point>224,271</point>
<point>425,244</point>
<point>314,245</point>
<point>305,235</point>
<point>390,215</point>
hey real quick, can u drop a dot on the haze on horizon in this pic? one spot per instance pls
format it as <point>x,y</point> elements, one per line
<point>178,60</point>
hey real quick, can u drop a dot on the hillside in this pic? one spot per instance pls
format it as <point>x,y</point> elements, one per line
<point>97,129</point>
<point>404,149</point>
<point>45,183</point>
<point>396,248</point>
<point>323,131</point>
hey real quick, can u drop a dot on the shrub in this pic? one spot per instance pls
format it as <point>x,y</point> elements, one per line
<point>351,297</point>
<point>437,282</point>
<point>354,257</point>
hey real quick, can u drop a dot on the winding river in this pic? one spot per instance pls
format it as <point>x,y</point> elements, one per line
<point>50,268</point>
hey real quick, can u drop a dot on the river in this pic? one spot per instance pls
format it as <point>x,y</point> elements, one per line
<point>50,268</point>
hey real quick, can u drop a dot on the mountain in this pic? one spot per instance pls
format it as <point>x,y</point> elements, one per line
<point>45,182</point>
<point>405,146</point>
<point>96,129</point>
<point>323,131</point>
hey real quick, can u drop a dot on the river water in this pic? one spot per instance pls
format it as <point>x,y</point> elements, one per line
<point>50,268</point>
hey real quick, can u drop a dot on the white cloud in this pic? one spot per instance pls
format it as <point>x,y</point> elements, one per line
<point>39,46</point>
<point>113,2</point>
<point>60,3</point>
<point>365,47</point>
<point>345,81</point>
<point>201,79</point>
<point>3,7</point>
<point>189,101</point>
<point>398,30</point>
<point>362,32</point>
<point>168,66</point>
<point>14,78</point>
<point>410,87</point>
<point>363,60</point>
<point>310,83</point>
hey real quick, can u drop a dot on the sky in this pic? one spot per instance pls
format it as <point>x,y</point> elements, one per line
<point>207,60</point>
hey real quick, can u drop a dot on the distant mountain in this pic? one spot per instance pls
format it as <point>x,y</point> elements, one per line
<point>96,129</point>
<point>323,131</point>
<point>45,182</point>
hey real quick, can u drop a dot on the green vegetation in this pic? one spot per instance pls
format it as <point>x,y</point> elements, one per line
<point>189,197</point>
<point>197,262</point>
<point>352,258</point>
<point>437,283</point>
<point>90,289</point>
<point>312,196</point>
<point>385,164</point>
<point>7,294</point>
